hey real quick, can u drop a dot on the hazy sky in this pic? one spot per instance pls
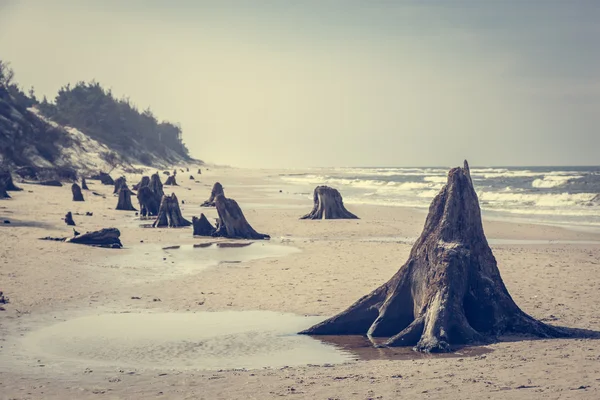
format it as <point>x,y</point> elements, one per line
<point>334,83</point>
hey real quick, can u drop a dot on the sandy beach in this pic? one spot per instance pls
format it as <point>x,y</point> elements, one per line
<point>312,269</point>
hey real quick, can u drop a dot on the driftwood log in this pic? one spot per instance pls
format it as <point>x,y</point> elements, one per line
<point>328,204</point>
<point>144,182</point>
<point>202,227</point>
<point>149,202</point>
<point>171,180</point>
<point>216,190</point>
<point>69,219</point>
<point>107,237</point>
<point>124,202</point>
<point>7,180</point>
<point>449,292</point>
<point>169,214</point>
<point>84,185</point>
<point>51,182</point>
<point>120,181</point>
<point>76,190</point>
<point>232,223</point>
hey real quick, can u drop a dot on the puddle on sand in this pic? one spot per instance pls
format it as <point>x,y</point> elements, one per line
<point>491,241</point>
<point>153,262</point>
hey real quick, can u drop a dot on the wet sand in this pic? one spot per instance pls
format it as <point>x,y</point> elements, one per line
<point>312,269</point>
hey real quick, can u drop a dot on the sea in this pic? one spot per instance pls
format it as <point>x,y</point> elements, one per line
<point>564,196</point>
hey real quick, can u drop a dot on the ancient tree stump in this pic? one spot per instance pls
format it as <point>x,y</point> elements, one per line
<point>77,195</point>
<point>216,190</point>
<point>191,177</point>
<point>3,193</point>
<point>124,202</point>
<point>156,186</point>
<point>149,202</point>
<point>449,292</point>
<point>104,178</point>
<point>169,214</point>
<point>144,182</point>
<point>328,204</point>
<point>202,227</point>
<point>84,185</point>
<point>171,181</point>
<point>107,237</point>
<point>7,181</point>
<point>232,223</point>
<point>118,183</point>
<point>199,171</point>
<point>69,219</point>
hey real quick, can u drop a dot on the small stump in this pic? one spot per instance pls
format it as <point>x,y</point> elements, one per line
<point>77,195</point>
<point>69,219</point>
<point>84,185</point>
<point>171,180</point>
<point>328,204</point>
<point>216,190</point>
<point>202,227</point>
<point>124,202</point>
<point>149,202</point>
<point>169,214</point>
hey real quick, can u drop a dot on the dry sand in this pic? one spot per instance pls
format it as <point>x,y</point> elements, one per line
<point>337,262</point>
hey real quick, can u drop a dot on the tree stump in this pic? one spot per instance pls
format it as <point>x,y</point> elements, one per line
<point>216,190</point>
<point>156,186</point>
<point>171,181</point>
<point>169,214</point>
<point>192,177</point>
<point>144,182</point>
<point>84,185</point>
<point>232,223</point>
<point>3,193</point>
<point>107,237</point>
<point>328,204</point>
<point>199,171</point>
<point>448,293</point>
<point>69,219</point>
<point>104,178</point>
<point>149,202</point>
<point>124,202</point>
<point>202,227</point>
<point>7,181</point>
<point>77,195</point>
<point>118,183</point>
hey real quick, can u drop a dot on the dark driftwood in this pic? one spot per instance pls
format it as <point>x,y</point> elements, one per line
<point>149,202</point>
<point>448,293</point>
<point>107,237</point>
<point>232,223</point>
<point>202,227</point>
<point>169,214</point>
<point>171,181</point>
<point>47,183</point>
<point>328,204</point>
<point>6,179</point>
<point>76,190</point>
<point>144,182</point>
<point>124,202</point>
<point>69,219</point>
<point>118,183</point>
<point>216,190</point>
<point>84,185</point>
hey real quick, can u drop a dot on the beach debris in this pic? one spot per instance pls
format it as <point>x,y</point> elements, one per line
<point>69,219</point>
<point>7,181</point>
<point>202,227</point>
<point>167,173</point>
<point>7,221</point>
<point>171,180</point>
<point>232,223</point>
<point>106,237</point>
<point>118,183</point>
<point>3,298</point>
<point>192,177</point>
<point>84,185</point>
<point>104,178</point>
<point>77,195</point>
<point>169,214</point>
<point>124,202</point>
<point>328,204</point>
<point>449,292</point>
<point>89,213</point>
<point>144,182</point>
<point>75,233</point>
<point>98,194</point>
<point>50,182</point>
<point>216,190</point>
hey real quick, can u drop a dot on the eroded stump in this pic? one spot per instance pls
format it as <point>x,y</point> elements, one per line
<point>149,202</point>
<point>84,185</point>
<point>118,183</point>
<point>232,223</point>
<point>216,190</point>
<point>156,186</point>
<point>104,178</point>
<point>449,292</point>
<point>76,190</point>
<point>144,182</point>
<point>202,226</point>
<point>3,193</point>
<point>169,214</point>
<point>7,180</point>
<point>328,204</point>
<point>69,219</point>
<point>124,202</point>
<point>171,180</point>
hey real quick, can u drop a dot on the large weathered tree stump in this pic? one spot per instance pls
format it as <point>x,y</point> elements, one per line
<point>84,185</point>
<point>156,186</point>
<point>107,237</point>
<point>328,204</point>
<point>171,180</point>
<point>118,183</point>
<point>449,292</point>
<point>76,190</point>
<point>124,202</point>
<point>232,223</point>
<point>144,182</point>
<point>169,214</point>
<point>7,180</point>
<point>202,226</point>
<point>69,219</point>
<point>3,193</point>
<point>216,190</point>
<point>149,202</point>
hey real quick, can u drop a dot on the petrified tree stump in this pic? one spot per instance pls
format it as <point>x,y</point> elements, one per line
<point>171,181</point>
<point>149,202</point>
<point>216,190</point>
<point>191,177</point>
<point>328,204</point>
<point>77,195</point>
<point>169,214</point>
<point>144,182</point>
<point>7,181</point>
<point>156,186</point>
<point>84,185</point>
<point>449,292</point>
<point>3,193</point>
<point>118,183</point>
<point>232,223</point>
<point>69,219</point>
<point>107,237</point>
<point>124,202</point>
<point>202,227</point>
<point>199,171</point>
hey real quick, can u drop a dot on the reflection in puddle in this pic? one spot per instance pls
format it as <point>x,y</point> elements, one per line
<point>207,341</point>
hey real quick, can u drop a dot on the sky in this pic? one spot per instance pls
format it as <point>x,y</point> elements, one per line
<point>333,83</point>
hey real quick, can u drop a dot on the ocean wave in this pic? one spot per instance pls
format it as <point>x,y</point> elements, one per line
<point>551,181</point>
